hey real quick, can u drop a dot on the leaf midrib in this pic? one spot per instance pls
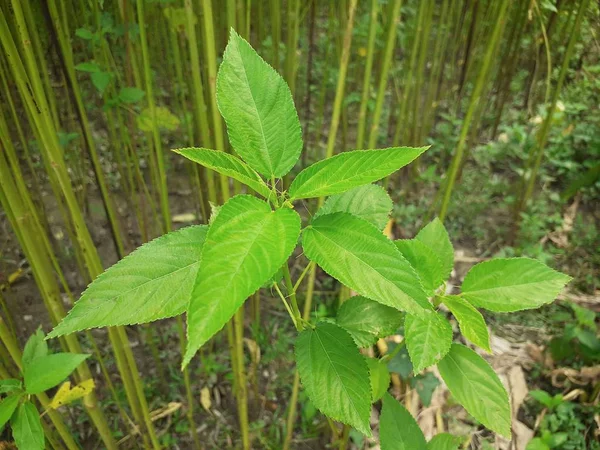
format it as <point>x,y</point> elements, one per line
<point>543,282</point>
<point>364,263</point>
<point>465,376</point>
<point>262,225</point>
<point>151,280</point>
<point>262,131</point>
<point>336,373</point>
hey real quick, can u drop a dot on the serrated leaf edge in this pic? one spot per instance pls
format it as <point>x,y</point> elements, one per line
<point>53,334</point>
<point>335,417</point>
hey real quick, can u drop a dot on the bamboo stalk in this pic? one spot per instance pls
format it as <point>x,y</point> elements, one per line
<point>401,126</point>
<point>29,236</point>
<point>200,110</point>
<point>385,68</point>
<point>275,31</point>
<point>293,19</point>
<point>366,87</point>
<point>211,62</point>
<point>339,95</point>
<point>66,54</point>
<point>33,95</point>
<point>473,103</point>
<point>542,136</point>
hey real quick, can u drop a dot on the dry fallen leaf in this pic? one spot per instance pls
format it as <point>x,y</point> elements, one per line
<point>66,394</point>
<point>205,398</point>
<point>184,218</point>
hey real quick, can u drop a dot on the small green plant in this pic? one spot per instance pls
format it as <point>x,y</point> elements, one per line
<point>578,343</point>
<point>208,271</point>
<point>565,425</point>
<point>41,371</point>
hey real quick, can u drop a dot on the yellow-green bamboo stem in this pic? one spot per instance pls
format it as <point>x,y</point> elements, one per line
<point>473,103</point>
<point>29,85</point>
<point>157,144</point>
<point>69,67</point>
<point>29,235</point>
<point>385,68</point>
<point>417,94</point>
<point>200,110</point>
<point>341,84</point>
<point>38,50</point>
<point>408,81</point>
<point>275,7</point>
<point>211,62</point>
<point>292,25</point>
<point>366,88</point>
<point>542,137</point>
<point>345,57</point>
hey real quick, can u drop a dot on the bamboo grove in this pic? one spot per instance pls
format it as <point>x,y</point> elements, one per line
<point>95,94</point>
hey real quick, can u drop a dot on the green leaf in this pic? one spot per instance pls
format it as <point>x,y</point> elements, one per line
<point>398,429</point>
<point>585,317</point>
<point>425,386</point>
<point>537,444</point>
<point>428,339</point>
<point>178,18</point>
<point>435,236</point>
<point>84,33</point>
<point>444,441</point>
<point>425,262</point>
<point>8,407</point>
<point>357,254</point>
<point>350,169</point>
<point>47,371</point>
<point>10,385</point>
<point>226,164</point>
<point>153,282</point>
<point>101,80</point>
<point>35,347</point>
<point>90,67</point>
<point>513,284</point>
<point>131,95</point>
<point>369,202</point>
<point>380,378</point>
<point>471,322</point>
<point>335,375</point>
<point>366,320</point>
<point>245,246</point>
<point>475,385</point>
<point>165,119</point>
<point>400,363</point>
<point>258,108</point>
<point>27,428</point>
<point>541,396</point>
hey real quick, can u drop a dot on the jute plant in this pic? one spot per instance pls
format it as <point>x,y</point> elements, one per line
<point>208,271</point>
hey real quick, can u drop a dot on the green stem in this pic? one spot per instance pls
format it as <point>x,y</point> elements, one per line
<point>542,137</point>
<point>287,305</point>
<point>366,88</point>
<point>385,68</point>
<point>473,103</point>
<point>211,62</point>
<point>339,94</point>
<point>292,295</point>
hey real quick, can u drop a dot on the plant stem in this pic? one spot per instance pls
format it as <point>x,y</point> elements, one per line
<point>366,88</point>
<point>339,94</point>
<point>473,103</point>
<point>292,295</point>
<point>542,137</point>
<point>293,19</point>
